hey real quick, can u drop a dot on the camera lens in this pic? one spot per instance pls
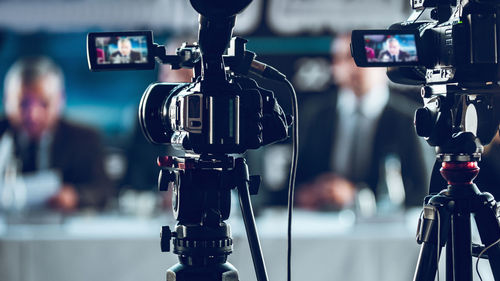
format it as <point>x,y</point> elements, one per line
<point>153,115</point>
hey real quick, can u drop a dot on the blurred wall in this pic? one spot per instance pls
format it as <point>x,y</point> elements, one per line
<point>292,35</point>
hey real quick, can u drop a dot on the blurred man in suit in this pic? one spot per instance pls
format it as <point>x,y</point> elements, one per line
<point>43,141</point>
<point>393,52</point>
<point>352,143</point>
<point>125,54</point>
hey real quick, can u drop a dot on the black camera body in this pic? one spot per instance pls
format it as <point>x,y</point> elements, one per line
<point>454,55</point>
<point>238,117</point>
<point>459,44</point>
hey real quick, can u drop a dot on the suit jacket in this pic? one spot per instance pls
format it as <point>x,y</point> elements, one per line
<point>77,152</point>
<point>134,56</point>
<point>402,57</point>
<point>394,136</point>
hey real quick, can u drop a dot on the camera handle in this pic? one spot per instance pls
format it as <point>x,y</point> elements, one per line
<point>238,59</point>
<point>186,56</point>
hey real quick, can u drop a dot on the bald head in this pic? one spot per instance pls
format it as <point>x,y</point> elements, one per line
<point>33,95</point>
<point>124,46</point>
<point>393,46</point>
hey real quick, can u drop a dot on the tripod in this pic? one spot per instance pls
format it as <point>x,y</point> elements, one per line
<point>201,202</point>
<point>446,216</point>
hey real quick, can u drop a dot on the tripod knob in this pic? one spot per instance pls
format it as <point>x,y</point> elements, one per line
<point>165,236</point>
<point>426,92</point>
<point>164,179</point>
<point>423,122</point>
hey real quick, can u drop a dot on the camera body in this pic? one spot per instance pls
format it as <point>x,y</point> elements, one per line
<point>454,55</point>
<point>232,119</point>
<point>459,44</point>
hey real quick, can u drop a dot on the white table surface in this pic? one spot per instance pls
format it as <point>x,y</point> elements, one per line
<point>326,246</point>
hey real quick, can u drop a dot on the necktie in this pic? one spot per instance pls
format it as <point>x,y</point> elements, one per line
<point>355,156</point>
<point>30,157</point>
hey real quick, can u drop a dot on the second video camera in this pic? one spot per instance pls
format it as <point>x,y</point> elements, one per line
<point>458,44</point>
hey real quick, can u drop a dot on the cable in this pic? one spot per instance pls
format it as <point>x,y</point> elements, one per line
<point>438,242</point>
<point>263,70</point>
<point>480,254</point>
<point>293,172</point>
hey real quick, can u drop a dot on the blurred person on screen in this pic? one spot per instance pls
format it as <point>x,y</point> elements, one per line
<point>58,163</point>
<point>352,141</point>
<point>125,53</point>
<point>393,52</point>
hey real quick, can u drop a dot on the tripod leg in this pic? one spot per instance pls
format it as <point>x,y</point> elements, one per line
<point>248,219</point>
<point>458,249</point>
<point>432,234</point>
<point>487,216</point>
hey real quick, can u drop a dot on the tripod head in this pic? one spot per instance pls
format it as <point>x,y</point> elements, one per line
<point>458,121</point>
<point>200,205</point>
<point>451,110</point>
<point>201,202</point>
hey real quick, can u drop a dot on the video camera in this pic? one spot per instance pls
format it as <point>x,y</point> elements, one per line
<point>458,44</point>
<point>454,54</point>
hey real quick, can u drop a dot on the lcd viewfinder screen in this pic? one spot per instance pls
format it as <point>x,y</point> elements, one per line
<point>121,50</point>
<point>383,48</point>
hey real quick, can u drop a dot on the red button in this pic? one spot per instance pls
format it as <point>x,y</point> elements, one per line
<point>165,161</point>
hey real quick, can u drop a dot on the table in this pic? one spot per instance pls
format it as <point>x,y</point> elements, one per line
<point>325,247</point>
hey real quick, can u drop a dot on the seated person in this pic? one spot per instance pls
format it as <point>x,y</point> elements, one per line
<point>61,162</point>
<point>361,140</point>
<point>125,54</point>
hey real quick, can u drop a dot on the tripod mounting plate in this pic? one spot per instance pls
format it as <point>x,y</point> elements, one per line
<point>444,157</point>
<point>195,162</point>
